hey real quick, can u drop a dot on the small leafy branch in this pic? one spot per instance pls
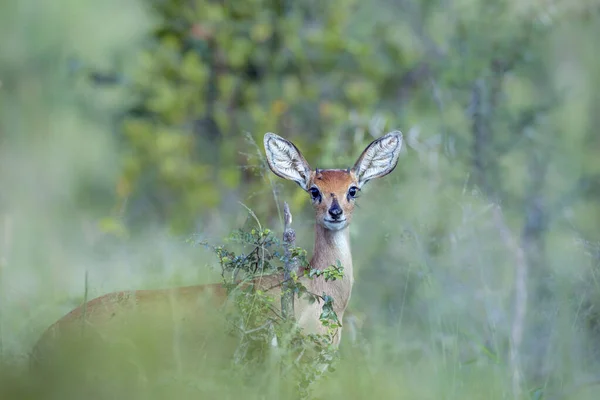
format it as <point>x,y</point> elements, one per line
<point>330,273</point>
<point>249,272</point>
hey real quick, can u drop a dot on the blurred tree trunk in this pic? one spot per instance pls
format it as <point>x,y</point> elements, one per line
<point>484,96</point>
<point>487,137</point>
<point>533,243</point>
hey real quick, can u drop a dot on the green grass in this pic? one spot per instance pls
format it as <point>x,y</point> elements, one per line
<point>434,278</point>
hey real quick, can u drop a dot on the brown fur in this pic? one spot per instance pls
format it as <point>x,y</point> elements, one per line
<point>112,308</point>
<point>189,306</point>
<point>333,184</point>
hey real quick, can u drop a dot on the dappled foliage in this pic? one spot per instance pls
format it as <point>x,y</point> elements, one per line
<point>215,72</point>
<point>470,84</point>
<point>120,137</point>
<point>264,335</point>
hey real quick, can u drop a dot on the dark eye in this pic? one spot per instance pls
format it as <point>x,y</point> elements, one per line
<point>314,193</point>
<point>352,192</point>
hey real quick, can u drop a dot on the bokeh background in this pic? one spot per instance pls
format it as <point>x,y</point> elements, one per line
<point>128,127</point>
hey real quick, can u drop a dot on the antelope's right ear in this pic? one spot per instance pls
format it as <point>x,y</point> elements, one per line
<point>286,161</point>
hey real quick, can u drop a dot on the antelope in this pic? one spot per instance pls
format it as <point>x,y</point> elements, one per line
<point>332,193</point>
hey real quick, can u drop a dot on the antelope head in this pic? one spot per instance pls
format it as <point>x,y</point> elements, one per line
<point>333,191</point>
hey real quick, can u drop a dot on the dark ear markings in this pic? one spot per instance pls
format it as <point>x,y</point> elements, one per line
<point>319,173</point>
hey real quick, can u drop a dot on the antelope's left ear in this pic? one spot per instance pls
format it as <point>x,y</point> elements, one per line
<point>379,158</point>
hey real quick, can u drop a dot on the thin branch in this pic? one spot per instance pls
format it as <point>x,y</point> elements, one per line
<point>265,167</point>
<point>290,266</point>
<point>252,214</point>
<point>263,326</point>
<point>517,327</point>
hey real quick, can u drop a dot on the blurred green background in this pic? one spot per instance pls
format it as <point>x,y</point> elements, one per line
<point>127,127</point>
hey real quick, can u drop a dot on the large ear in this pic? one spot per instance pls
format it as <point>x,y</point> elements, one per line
<point>286,161</point>
<point>379,158</point>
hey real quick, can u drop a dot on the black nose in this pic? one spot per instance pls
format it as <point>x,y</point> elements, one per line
<point>335,211</point>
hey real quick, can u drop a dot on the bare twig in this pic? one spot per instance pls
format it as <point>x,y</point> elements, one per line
<point>290,267</point>
<point>265,167</point>
<point>263,326</point>
<point>520,301</point>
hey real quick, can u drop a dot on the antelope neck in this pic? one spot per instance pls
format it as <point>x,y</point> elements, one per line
<point>331,246</point>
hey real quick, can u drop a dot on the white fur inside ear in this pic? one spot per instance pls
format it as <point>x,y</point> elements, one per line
<point>379,158</point>
<point>285,160</point>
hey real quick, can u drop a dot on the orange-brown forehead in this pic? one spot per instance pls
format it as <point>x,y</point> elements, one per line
<point>333,180</point>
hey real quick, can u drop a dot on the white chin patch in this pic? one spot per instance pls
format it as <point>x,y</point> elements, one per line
<point>335,226</point>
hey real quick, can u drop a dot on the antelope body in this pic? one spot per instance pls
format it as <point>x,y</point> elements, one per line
<point>332,192</point>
